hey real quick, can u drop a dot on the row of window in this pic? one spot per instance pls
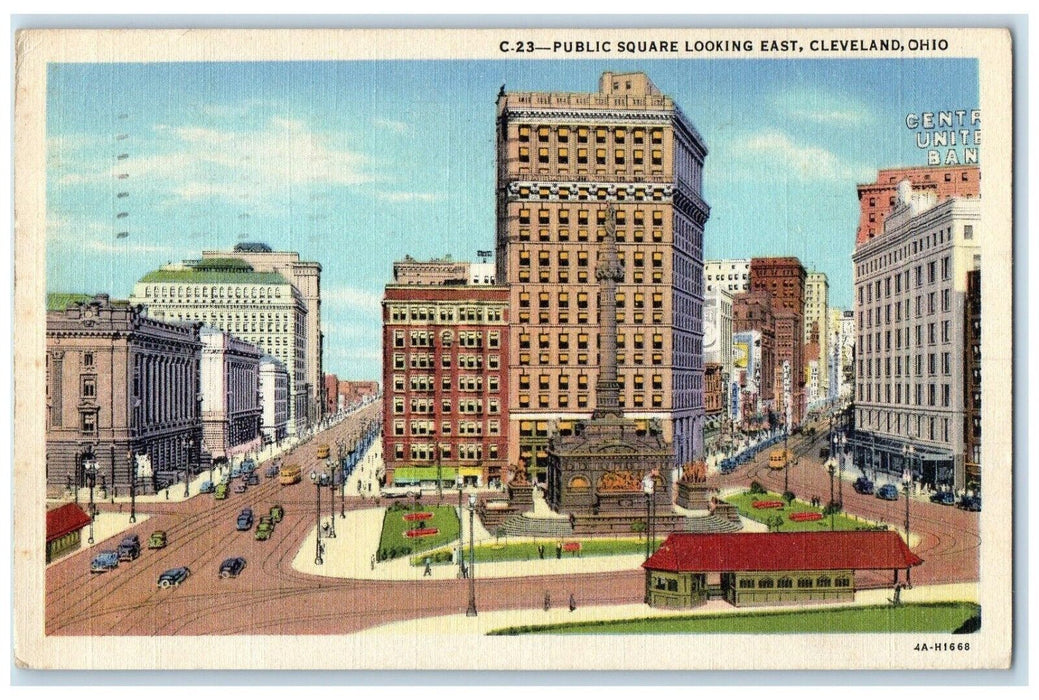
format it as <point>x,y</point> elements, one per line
<point>583,299</point>
<point>638,400</point>
<point>465,382</point>
<point>562,155</point>
<point>921,245</point>
<point>422,360</point>
<point>462,427</point>
<point>581,134</point>
<point>565,216</point>
<point>901,280</point>
<point>447,406</point>
<point>563,381</point>
<point>870,366</point>
<point>866,393</point>
<point>904,424</point>
<point>188,291</point>
<point>466,339</point>
<point>870,341</point>
<point>562,340</point>
<point>445,313</point>
<point>544,358</point>
<point>426,452</point>
<point>584,193</point>
<point>929,304</point>
<point>802,582</point>
<point>563,317</point>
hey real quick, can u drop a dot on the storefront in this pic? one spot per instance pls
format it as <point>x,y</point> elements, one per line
<point>64,526</point>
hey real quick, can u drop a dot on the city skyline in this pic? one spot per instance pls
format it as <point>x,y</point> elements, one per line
<point>286,154</point>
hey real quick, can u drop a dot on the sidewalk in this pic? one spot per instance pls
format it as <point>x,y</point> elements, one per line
<point>488,621</point>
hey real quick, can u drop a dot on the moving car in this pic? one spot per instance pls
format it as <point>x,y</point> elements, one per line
<point>221,491</point>
<point>174,577</point>
<point>863,485</point>
<point>272,471</point>
<point>241,487</point>
<point>778,459</point>
<point>277,513</point>
<point>248,465</point>
<point>252,479</point>
<point>236,472</point>
<point>207,487</point>
<point>245,519</point>
<point>322,451</point>
<point>157,540</point>
<point>888,492</point>
<point>129,548</point>
<point>945,498</point>
<point>104,561</point>
<point>232,567</point>
<point>264,531</point>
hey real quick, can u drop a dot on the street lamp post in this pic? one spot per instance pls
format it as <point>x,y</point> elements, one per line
<point>471,610</point>
<point>319,481</point>
<point>841,441</point>
<point>90,470</point>
<point>647,488</point>
<point>461,534</point>
<point>131,462</point>
<point>340,452</point>
<point>832,468</point>
<point>187,443</point>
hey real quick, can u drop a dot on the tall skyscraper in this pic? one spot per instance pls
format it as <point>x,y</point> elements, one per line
<point>817,323</point>
<point>305,276</point>
<point>784,280</point>
<point>563,159</point>
<point>910,295</point>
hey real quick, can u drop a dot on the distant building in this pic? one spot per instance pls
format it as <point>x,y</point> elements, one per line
<point>305,276</point>
<point>972,384</point>
<point>274,397</point>
<point>754,358</point>
<point>354,392</point>
<point>842,322</point>
<point>817,324</point>
<point>878,198</point>
<point>331,394</point>
<point>231,407</point>
<point>262,308</point>
<point>438,271</point>
<point>122,396</point>
<point>910,297</point>
<point>445,373</point>
<point>784,280</point>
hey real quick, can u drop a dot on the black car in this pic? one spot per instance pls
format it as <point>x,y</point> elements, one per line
<point>272,472</point>
<point>245,519</point>
<point>863,485</point>
<point>945,498</point>
<point>971,503</point>
<point>130,548</point>
<point>174,577</point>
<point>232,567</point>
<point>252,479</point>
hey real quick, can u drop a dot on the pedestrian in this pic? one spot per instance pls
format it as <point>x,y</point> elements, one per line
<point>167,493</point>
<point>548,601</point>
<point>559,550</point>
<point>465,570</point>
<point>373,562</point>
<point>541,551</point>
<point>429,568</point>
<point>573,603</point>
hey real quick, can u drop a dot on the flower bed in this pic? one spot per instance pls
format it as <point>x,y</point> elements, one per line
<point>805,516</point>
<point>410,517</point>
<point>423,532</point>
<point>571,546</point>
<point>767,504</point>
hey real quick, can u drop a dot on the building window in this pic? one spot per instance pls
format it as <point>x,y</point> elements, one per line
<point>88,387</point>
<point>88,359</point>
<point>88,422</point>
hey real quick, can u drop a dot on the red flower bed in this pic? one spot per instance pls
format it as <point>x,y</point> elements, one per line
<point>424,532</point>
<point>805,516</point>
<point>418,516</point>
<point>767,504</point>
<point>571,546</point>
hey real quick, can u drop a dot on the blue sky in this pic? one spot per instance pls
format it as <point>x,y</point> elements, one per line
<point>355,164</point>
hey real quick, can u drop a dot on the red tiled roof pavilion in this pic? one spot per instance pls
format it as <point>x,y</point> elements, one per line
<point>68,518</point>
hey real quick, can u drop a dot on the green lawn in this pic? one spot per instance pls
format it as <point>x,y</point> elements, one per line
<point>393,543</point>
<point>526,551</point>
<point>913,617</point>
<point>744,502</point>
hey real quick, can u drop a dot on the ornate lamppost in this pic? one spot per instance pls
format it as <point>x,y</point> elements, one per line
<point>842,442</point>
<point>187,443</point>
<point>831,467</point>
<point>647,488</point>
<point>471,610</point>
<point>131,463</point>
<point>90,471</point>
<point>319,480</point>
<point>461,534</point>
<point>340,453</point>
<point>331,472</point>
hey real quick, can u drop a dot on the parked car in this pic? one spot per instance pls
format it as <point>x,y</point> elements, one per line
<point>971,503</point>
<point>221,491</point>
<point>236,472</point>
<point>264,531</point>
<point>945,498</point>
<point>277,513</point>
<point>104,561</point>
<point>248,465</point>
<point>207,487</point>
<point>272,472</point>
<point>245,519</point>
<point>157,540</point>
<point>266,519</point>
<point>863,485</point>
<point>232,567</point>
<point>241,487</point>
<point>252,479</point>
<point>129,548</point>
<point>174,577</point>
<point>888,492</point>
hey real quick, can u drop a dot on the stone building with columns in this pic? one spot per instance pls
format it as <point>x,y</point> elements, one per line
<point>119,385</point>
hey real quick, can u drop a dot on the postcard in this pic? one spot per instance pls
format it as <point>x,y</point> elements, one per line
<point>554,349</point>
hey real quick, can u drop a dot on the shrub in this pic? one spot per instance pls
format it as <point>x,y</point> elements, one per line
<point>831,508</point>
<point>789,497</point>
<point>756,487</point>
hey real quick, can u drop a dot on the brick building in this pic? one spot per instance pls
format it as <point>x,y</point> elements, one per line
<point>752,312</point>
<point>877,199</point>
<point>784,280</point>
<point>119,384</point>
<point>445,373</point>
<point>563,158</point>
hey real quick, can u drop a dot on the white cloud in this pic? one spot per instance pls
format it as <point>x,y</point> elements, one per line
<point>397,127</point>
<point>398,197</point>
<point>776,152</point>
<point>351,297</point>
<point>823,108</point>
<point>123,247</point>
